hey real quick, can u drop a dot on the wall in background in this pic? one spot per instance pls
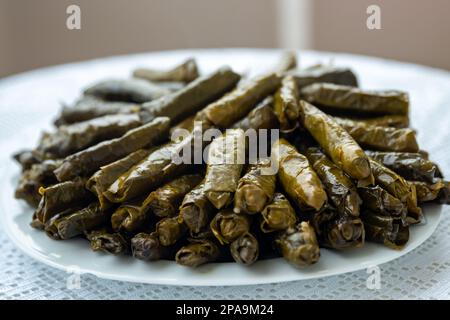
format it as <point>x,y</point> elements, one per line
<point>38,35</point>
<point>413,30</point>
<point>5,58</point>
<point>33,33</point>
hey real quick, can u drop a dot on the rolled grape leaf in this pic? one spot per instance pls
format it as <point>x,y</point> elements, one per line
<point>196,211</point>
<point>69,139</point>
<point>411,166</point>
<point>184,72</point>
<point>385,230</point>
<point>351,99</point>
<point>197,253</point>
<point>382,202</point>
<point>146,247</point>
<point>193,97</point>
<point>381,138</point>
<point>31,180</point>
<point>245,249</point>
<point>51,226</point>
<point>427,192</point>
<point>286,104</point>
<point>237,103</point>
<point>298,245</point>
<point>342,233</point>
<point>35,223</point>
<point>255,189</point>
<point>225,163</point>
<point>399,188</point>
<point>170,230</point>
<point>164,201</point>
<point>60,197</point>
<point>261,117</point>
<point>26,159</point>
<point>114,243</point>
<point>86,162</point>
<point>340,189</point>
<point>395,121</point>
<point>127,90</point>
<point>298,178</point>
<point>131,216</point>
<point>337,144</point>
<point>185,124</point>
<point>159,166</point>
<point>227,225</point>
<point>103,178</point>
<point>81,221</point>
<point>278,215</point>
<point>324,73</point>
<point>87,108</point>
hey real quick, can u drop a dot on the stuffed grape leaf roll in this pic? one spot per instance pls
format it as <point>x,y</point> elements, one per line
<point>298,245</point>
<point>399,188</point>
<point>277,215</point>
<point>81,221</point>
<point>394,121</point>
<point>164,201</point>
<point>227,225</point>
<point>342,233</point>
<point>86,162</point>
<point>127,90</point>
<point>193,97</point>
<point>351,99</point>
<point>411,166</point>
<point>286,104</point>
<point>60,197</point>
<point>226,158</point>
<point>298,178</point>
<point>131,216</point>
<point>381,138</point>
<point>109,242</point>
<point>196,210</point>
<point>337,143</point>
<point>87,108</point>
<point>236,104</point>
<point>26,158</point>
<point>324,73</point>
<point>146,246</point>
<point>170,230</point>
<point>31,180</point>
<point>378,200</point>
<point>75,137</point>
<point>427,192</point>
<point>385,230</point>
<point>255,189</point>
<point>184,72</point>
<point>245,249</point>
<point>103,178</point>
<point>198,252</point>
<point>261,117</point>
<point>340,189</point>
<point>159,166</point>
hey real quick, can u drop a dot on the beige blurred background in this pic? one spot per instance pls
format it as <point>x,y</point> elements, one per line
<point>34,34</point>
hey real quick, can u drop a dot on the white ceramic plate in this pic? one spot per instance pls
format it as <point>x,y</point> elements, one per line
<point>29,101</point>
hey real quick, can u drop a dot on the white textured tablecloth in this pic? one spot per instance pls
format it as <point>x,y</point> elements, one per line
<point>423,273</point>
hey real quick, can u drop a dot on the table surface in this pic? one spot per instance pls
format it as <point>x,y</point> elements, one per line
<point>421,274</point>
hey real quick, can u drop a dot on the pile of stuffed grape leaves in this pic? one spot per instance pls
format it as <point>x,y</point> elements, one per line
<point>174,164</point>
